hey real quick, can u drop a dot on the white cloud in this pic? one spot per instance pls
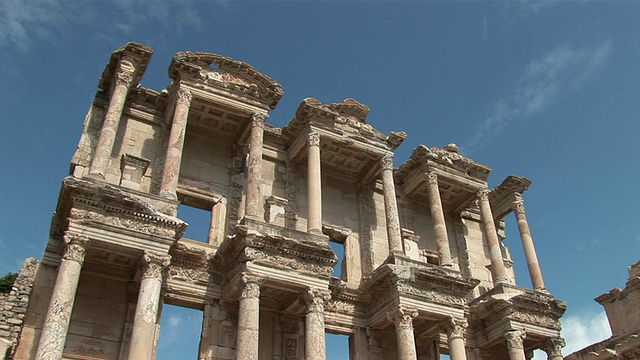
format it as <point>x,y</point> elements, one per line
<point>22,21</point>
<point>543,81</point>
<point>581,331</point>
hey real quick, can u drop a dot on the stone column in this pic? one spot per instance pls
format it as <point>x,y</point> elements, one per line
<point>455,334</point>
<point>56,324</point>
<point>314,185</point>
<point>439,224</point>
<point>123,79</point>
<point>553,348</point>
<point>254,167</point>
<point>527,244</point>
<point>390,205</point>
<point>171,170</point>
<point>247,341</point>
<point>497,263</point>
<point>515,345</point>
<point>314,336</point>
<point>402,318</point>
<point>143,334</point>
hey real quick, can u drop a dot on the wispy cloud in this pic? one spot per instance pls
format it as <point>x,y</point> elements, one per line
<point>171,329</point>
<point>581,331</point>
<point>543,81</point>
<point>22,22</point>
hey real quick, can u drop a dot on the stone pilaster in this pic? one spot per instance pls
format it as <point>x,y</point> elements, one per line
<point>145,320</point>
<point>254,166</point>
<point>515,344</point>
<point>455,329</point>
<point>497,263</point>
<point>314,185</point>
<point>553,348</point>
<point>124,77</point>
<point>439,224</point>
<point>390,205</point>
<point>56,324</point>
<point>247,341</point>
<point>315,347</point>
<point>527,245</point>
<point>171,170</point>
<point>403,320</point>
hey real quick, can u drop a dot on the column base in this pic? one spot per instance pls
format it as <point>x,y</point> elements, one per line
<point>168,195</point>
<point>95,176</point>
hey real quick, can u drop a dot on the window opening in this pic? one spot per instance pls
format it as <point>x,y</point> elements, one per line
<point>199,222</point>
<point>337,346</point>
<point>338,248</point>
<point>180,330</point>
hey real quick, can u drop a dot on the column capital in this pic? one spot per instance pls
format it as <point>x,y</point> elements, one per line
<point>454,327</point>
<point>315,298</point>
<point>258,119</point>
<point>153,264</point>
<point>387,161</point>
<point>184,96</point>
<point>432,178</point>
<point>553,347</point>
<point>76,247</point>
<point>515,339</point>
<point>250,286</point>
<point>402,317</point>
<point>483,194</point>
<point>314,139</point>
<point>518,207</point>
<point>125,72</point>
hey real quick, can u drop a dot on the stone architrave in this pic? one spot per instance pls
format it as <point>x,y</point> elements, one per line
<point>314,185</point>
<point>56,324</point>
<point>124,77</point>
<point>247,341</point>
<point>455,329</point>
<point>315,347</point>
<point>527,245</point>
<point>497,263</point>
<point>171,170</point>
<point>254,166</point>
<point>553,348</point>
<point>145,320</point>
<point>515,344</point>
<point>402,318</point>
<point>390,205</point>
<point>439,223</point>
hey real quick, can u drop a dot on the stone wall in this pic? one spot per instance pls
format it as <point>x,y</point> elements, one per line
<point>13,307</point>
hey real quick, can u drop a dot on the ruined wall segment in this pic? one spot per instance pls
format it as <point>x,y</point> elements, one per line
<point>423,272</point>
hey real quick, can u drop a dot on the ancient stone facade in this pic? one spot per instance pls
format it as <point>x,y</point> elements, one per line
<point>424,270</point>
<point>622,307</point>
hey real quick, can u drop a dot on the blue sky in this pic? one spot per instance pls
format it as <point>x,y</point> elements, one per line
<point>548,90</point>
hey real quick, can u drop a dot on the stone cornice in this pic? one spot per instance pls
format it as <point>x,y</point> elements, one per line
<point>141,54</point>
<point>228,74</point>
<point>448,158</point>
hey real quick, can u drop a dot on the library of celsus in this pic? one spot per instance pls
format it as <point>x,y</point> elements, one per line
<point>423,271</point>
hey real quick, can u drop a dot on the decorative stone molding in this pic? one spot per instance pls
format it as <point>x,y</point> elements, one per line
<point>454,327</point>
<point>184,97</point>
<point>553,347</point>
<point>518,207</point>
<point>132,170</point>
<point>152,265</point>
<point>125,73</point>
<point>258,119</point>
<point>250,286</point>
<point>432,178</point>
<point>402,317</point>
<point>483,194</point>
<point>515,339</point>
<point>387,162</point>
<point>315,299</point>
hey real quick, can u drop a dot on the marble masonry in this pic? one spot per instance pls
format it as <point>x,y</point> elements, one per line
<point>424,270</point>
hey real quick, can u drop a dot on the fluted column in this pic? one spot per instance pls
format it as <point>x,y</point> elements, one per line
<point>56,324</point>
<point>143,333</point>
<point>173,159</point>
<point>455,334</point>
<point>439,224</point>
<point>515,344</point>
<point>403,320</point>
<point>314,187</point>
<point>497,263</point>
<point>390,205</point>
<point>123,79</point>
<point>254,166</point>
<point>315,347</point>
<point>247,341</point>
<point>527,245</point>
<point>553,348</point>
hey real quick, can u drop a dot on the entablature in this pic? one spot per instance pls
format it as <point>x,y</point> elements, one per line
<point>509,192</point>
<point>138,54</point>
